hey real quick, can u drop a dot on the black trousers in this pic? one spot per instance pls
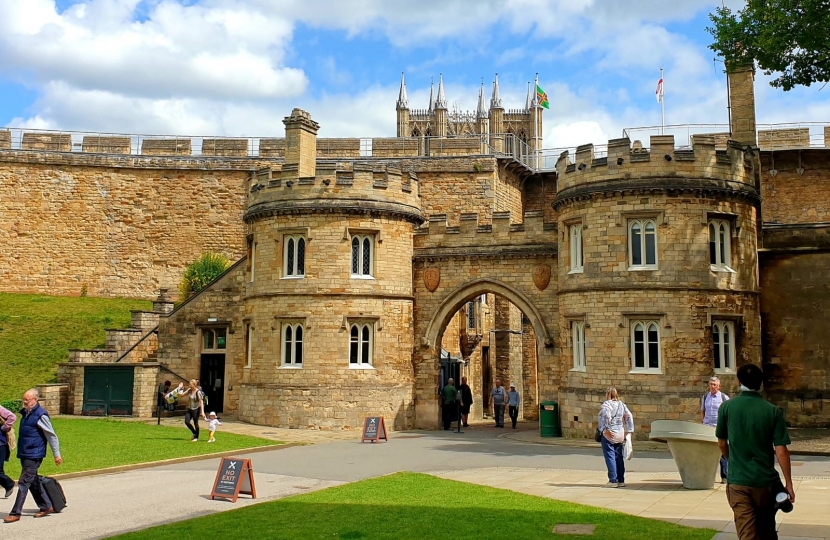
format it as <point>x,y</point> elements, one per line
<point>30,481</point>
<point>498,412</point>
<point>513,411</point>
<point>449,411</point>
<point>192,414</point>
<point>5,481</point>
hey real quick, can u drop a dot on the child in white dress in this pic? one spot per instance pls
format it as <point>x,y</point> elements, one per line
<point>213,424</point>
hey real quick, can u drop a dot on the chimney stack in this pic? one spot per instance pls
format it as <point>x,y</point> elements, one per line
<point>742,104</point>
<point>300,144</point>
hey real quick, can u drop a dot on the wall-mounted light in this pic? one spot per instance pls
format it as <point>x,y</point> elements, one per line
<point>667,157</point>
<point>800,170</point>
<point>326,181</point>
<point>289,184</point>
<point>581,167</point>
<point>620,161</point>
<point>773,172</point>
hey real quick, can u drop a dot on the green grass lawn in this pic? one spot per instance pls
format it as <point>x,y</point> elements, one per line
<point>415,506</point>
<point>36,332</point>
<point>88,444</point>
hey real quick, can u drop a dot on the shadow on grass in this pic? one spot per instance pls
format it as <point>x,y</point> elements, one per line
<point>415,506</point>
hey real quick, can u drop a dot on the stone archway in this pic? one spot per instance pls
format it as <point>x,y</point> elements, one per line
<point>453,266</point>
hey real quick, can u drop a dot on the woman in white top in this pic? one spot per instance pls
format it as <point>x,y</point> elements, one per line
<point>615,422</point>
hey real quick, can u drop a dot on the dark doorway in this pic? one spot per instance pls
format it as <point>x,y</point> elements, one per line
<point>108,391</point>
<point>486,378</point>
<point>212,380</point>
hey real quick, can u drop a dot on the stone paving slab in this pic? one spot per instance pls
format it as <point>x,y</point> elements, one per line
<point>102,506</point>
<point>656,495</point>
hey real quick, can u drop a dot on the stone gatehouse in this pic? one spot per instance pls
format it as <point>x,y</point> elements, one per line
<point>368,273</point>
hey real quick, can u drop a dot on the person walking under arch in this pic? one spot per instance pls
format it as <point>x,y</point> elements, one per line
<point>450,394</point>
<point>499,397</point>
<point>466,400</point>
<point>513,400</point>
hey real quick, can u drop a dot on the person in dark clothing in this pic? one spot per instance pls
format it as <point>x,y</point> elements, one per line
<point>195,407</point>
<point>35,434</point>
<point>466,400</point>
<point>449,406</point>
<point>7,420</point>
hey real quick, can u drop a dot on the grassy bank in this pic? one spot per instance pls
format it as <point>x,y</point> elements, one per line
<point>36,332</point>
<point>416,506</point>
<point>97,443</point>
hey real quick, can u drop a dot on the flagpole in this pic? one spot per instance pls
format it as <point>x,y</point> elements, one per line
<point>536,123</point>
<point>662,103</point>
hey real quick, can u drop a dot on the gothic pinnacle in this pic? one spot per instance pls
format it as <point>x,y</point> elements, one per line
<point>403,100</point>
<point>441,101</point>
<point>481,111</point>
<point>495,101</point>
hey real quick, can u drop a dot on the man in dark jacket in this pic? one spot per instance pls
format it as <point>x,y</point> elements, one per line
<point>34,434</point>
<point>466,400</point>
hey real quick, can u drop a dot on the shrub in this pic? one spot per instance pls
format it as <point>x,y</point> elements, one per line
<point>14,405</point>
<point>201,272</point>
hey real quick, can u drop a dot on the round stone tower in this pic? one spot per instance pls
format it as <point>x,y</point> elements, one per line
<point>328,305</point>
<point>658,276</point>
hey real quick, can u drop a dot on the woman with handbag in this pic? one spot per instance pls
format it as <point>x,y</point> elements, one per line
<point>7,420</point>
<point>615,422</point>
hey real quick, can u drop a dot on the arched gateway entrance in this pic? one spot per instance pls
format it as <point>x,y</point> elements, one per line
<point>509,269</point>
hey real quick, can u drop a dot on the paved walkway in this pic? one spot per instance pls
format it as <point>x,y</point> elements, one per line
<point>104,505</point>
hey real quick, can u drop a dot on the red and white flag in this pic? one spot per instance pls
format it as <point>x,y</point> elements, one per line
<point>659,91</point>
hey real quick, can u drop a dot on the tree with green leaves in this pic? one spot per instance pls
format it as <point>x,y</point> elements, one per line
<point>790,38</point>
<point>201,272</point>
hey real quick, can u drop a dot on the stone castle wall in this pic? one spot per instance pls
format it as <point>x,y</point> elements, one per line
<point>113,226</point>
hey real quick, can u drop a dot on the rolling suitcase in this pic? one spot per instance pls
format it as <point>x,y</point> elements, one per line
<point>54,491</point>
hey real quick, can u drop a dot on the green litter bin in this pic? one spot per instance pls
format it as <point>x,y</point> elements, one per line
<point>549,419</point>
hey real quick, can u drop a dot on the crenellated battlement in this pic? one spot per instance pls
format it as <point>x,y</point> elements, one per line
<point>369,186</point>
<point>473,234</point>
<point>630,161</point>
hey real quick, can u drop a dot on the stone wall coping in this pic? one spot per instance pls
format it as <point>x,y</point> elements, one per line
<point>93,350</point>
<point>111,364</point>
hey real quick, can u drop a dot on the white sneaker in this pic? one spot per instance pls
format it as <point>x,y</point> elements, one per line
<point>612,484</point>
<point>194,439</point>
<point>621,484</point>
<point>211,440</point>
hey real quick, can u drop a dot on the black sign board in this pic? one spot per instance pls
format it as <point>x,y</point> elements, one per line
<point>235,477</point>
<point>374,429</point>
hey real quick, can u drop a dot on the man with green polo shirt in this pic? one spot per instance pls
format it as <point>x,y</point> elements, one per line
<point>751,432</point>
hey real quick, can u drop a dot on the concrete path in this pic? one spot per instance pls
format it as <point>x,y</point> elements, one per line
<point>108,504</point>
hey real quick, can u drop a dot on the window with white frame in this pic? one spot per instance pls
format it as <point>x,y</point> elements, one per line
<point>576,248</point>
<point>363,247</point>
<point>720,248</point>
<point>723,345</point>
<point>294,255</point>
<point>292,344</point>
<point>249,345</point>
<point>578,342</point>
<point>645,346</point>
<point>642,244</point>
<point>360,345</point>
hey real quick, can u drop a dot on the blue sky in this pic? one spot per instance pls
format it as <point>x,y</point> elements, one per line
<point>237,67</point>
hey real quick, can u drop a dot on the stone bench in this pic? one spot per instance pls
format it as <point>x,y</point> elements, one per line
<point>694,448</point>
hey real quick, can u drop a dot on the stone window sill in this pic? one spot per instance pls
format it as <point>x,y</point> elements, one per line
<point>649,267</point>
<point>582,369</point>
<point>359,276</point>
<point>726,371</point>
<point>361,366</point>
<point>720,268</point>
<point>577,271</point>
<point>291,366</point>
<point>649,371</point>
<point>293,277</point>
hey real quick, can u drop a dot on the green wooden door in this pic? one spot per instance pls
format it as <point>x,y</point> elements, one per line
<point>108,391</point>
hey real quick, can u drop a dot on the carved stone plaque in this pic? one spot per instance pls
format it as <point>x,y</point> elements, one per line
<point>432,277</point>
<point>541,276</point>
